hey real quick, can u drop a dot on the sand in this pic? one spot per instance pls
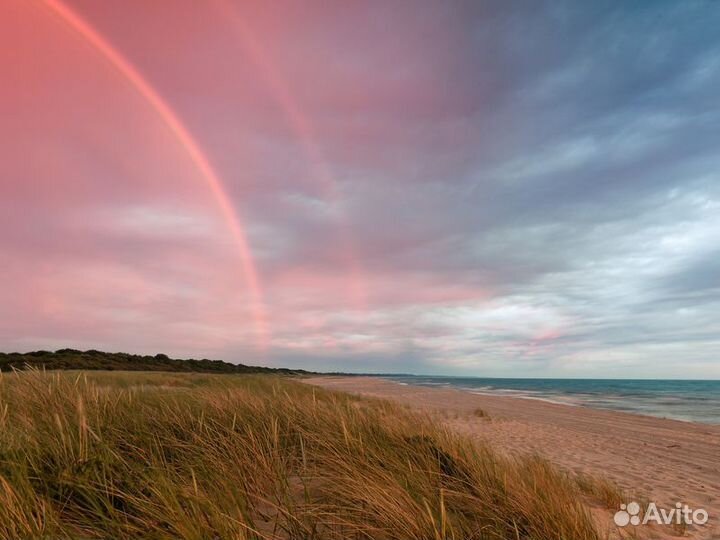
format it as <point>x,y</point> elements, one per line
<point>665,461</point>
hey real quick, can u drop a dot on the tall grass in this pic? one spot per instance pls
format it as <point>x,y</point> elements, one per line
<point>165,456</point>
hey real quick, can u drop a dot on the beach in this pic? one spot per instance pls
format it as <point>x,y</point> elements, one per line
<point>652,459</point>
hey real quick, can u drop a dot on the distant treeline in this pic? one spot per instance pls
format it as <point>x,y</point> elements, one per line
<point>99,360</point>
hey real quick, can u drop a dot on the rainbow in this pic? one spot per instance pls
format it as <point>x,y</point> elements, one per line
<point>302,127</point>
<point>188,142</point>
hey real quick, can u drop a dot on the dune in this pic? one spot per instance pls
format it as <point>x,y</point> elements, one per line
<point>159,455</point>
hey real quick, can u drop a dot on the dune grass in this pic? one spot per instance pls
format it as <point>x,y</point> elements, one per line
<point>165,456</point>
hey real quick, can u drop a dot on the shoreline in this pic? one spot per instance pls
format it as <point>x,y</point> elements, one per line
<point>685,406</point>
<point>579,404</point>
<point>659,459</point>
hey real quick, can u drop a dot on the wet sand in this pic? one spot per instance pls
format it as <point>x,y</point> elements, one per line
<point>665,461</point>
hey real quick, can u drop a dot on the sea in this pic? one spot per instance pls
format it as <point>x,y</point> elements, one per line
<point>691,401</point>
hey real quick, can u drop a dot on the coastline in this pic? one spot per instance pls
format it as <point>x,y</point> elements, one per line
<point>686,400</point>
<point>658,459</point>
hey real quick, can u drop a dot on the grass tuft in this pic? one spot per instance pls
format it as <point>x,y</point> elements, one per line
<point>480,413</point>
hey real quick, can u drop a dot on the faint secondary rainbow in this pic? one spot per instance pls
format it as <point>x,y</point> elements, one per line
<point>302,127</point>
<point>185,138</point>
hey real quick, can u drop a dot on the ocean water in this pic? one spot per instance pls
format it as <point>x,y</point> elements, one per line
<point>694,401</point>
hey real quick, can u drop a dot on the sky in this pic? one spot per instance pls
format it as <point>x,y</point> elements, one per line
<point>498,188</point>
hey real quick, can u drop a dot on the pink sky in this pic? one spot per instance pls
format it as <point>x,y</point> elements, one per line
<point>117,237</point>
<point>324,185</point>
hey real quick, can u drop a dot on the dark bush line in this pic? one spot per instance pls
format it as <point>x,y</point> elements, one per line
<point>64,359</point>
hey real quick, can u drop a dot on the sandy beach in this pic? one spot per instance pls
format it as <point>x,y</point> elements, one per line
<point>664,461</point>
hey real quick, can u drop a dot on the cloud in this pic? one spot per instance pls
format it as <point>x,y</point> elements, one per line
<point>443,188</point>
